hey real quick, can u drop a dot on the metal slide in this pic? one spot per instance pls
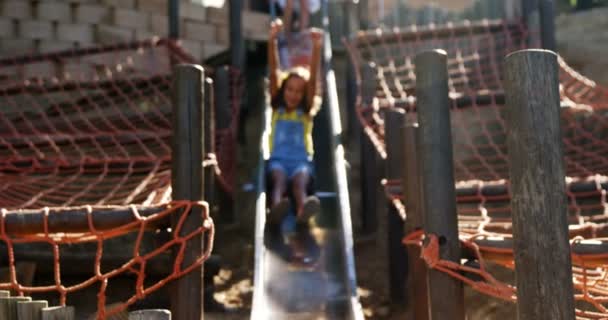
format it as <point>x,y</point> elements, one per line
<point>329,291</point>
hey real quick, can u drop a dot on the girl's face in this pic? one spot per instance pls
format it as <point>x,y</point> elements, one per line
<point>294,92</point>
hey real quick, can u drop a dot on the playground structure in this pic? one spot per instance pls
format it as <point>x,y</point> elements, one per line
<point>87,157</point>
<point>329,290</point>
<point>509,204</point>
<point>89,150</point>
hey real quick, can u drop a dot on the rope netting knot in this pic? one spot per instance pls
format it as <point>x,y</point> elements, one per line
<point>95,226</point>
<point>384,62</point>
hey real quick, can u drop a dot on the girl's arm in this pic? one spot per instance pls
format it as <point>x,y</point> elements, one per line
<point>315,63</point>
<point>273,56</point>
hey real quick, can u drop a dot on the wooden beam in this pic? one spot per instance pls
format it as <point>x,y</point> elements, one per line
<point>31,221</point>
<point>187,182</point>
<point>543,264</point>
<point>397,255</point>
<point>446,294</point>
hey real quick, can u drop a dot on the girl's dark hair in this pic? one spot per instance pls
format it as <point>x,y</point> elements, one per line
<point>278,100</point>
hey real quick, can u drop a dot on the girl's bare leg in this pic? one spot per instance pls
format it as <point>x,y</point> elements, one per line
<point>279,185</point>
<point>300,183</point>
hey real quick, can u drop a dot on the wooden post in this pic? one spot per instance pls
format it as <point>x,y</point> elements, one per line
<point>156,314</point>
<point>223,118</point>
<point>417,302</point>
<point>237,42</point>
<point>173,16</point>
<point>513,9</point>
<point>31,310</point>
<point>223,104</point>
<point>397,267</point>
<point>370,180</point>
<point>209,134</point>
<point>540,226</point>
<point>547,24</point>
<point>352,19</point>
<point>58,313</point>
<point>531,17</point>
<point>438,193</point>
<point>364,15</point>
<point>187,182</point>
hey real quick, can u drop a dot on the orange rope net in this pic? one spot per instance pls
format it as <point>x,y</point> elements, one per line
<point>136,266</point>
<point>475,55</point>
<point>85,159</point>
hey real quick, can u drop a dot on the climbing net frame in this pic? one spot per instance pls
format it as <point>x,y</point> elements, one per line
<point>475,52</point>
<point>85,159</point>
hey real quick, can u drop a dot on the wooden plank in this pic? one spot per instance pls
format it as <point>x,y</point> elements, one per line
<point>5,293</point>
<point>446,294</point>
<point>543,264</point>
<point>58,313</point>
<point>8,307</point>
<point>397,266</point>
<point>153,314</point>
<point>31,310</point>
<point>72,220</point>
<point>417,302</point>
<point>187,181</point>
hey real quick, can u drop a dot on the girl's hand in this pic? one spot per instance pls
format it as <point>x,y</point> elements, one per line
<point>275,27</point>
<point>316,35</point>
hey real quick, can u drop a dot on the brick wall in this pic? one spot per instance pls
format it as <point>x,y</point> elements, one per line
<point>28,26</point>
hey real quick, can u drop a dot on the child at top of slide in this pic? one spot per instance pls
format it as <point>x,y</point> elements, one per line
<point>303,8</point>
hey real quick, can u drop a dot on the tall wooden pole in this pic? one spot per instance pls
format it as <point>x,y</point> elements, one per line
<point>237,42</point>
<point>209,134</point>
<point>223,119</point>
<point>364,15</point>
<point>370,162</point>
<point>173,16</point>
<point>547,24</point>
<point>187,182</point>
<point>531,17</point>
<point>438,192</point>
<point>397,256</point>
<point>417,302</point>
<point>543,265</point>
